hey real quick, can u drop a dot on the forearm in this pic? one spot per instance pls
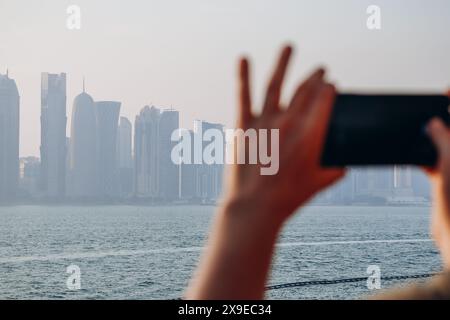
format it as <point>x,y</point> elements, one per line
<point>237,260</point>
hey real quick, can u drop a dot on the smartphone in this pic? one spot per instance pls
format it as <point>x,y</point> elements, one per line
<point>384,129</point>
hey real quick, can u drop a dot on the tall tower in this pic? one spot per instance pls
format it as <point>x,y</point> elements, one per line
<point>156,176</point>
<point>188,174</point>
<point>9,138</point>
<point>209,176</point>
<point>125,157</point>
<point>53,135</point>
<point>83,148</point>
<point>124,145</point>
<point>107,115</point>
<point>168,170</point>
<point>146,140</point>
<point>403,181</point>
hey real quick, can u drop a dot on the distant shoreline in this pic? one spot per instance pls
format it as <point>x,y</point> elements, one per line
<point>210,204</point>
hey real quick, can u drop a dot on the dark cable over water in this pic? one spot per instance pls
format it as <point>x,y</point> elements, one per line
<point>348,280</point>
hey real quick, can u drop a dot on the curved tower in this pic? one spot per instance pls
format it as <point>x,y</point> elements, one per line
<point>9,138</point>
<point>83,148</point>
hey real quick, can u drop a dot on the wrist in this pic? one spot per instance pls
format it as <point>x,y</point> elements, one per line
<point>254,213</point>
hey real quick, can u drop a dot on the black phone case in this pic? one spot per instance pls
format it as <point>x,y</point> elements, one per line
<point>382,130</point>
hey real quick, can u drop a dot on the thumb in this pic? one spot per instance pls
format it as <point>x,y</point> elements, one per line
<point>440,136</point>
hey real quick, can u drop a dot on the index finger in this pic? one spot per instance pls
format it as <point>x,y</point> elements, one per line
<point>272,101</point>
<point>245,104</point>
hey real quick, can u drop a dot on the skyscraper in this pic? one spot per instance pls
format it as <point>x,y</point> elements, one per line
<point>421,184</point>
<point>146,130</point>
<point>403,181</point>
<point>53,135</point>
<point>125,157</point>
<point>30,168</point>
<point>9,138</point>
<point>373,184</point>
<point>83,148</point>
<point>107,119</point>
<point>168,170</point>
<point>188,176</point>
<point>124,145</point>
<point>156,176</point>
<point>209,176</point>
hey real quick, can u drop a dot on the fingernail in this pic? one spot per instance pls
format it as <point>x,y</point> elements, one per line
<point>434,124</point>
<point>319,74</point>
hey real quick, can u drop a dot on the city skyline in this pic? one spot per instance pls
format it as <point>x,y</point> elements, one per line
<point>177,150</point>
<point>100,159</point>
<point>97,158</point>
<point>143,52</point>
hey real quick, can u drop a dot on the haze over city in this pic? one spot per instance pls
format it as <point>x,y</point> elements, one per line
<point>183,53</point>
<point>98,200</point>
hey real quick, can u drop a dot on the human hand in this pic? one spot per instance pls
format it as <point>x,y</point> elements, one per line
<point>440,178</point>
<point>237,261</point>
<point>302,128</point>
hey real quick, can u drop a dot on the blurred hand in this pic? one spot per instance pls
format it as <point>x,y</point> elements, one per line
<point>440,178</point>
<point>302,128</point>
<point>237,261</point>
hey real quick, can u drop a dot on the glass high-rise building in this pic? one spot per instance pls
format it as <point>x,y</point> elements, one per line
<point>83,148</point>
<point>107,117</point>
<point>9,138</point>
<point>168,170</point>
<point>188,175</point>
<point>124,144</point>
<point>156,176</point>
<point>53,135</point>
<point>209,177</point>
<point>146,168</point>
<point>125,157</point>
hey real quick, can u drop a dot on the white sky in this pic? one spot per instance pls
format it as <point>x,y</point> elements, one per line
<point>183,53</point>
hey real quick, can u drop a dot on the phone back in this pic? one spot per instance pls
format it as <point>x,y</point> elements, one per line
<point>383,130</point>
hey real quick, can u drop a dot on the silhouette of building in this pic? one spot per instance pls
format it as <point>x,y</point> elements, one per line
<point>403,180</point>
<point>9,138</point>
<point>156,176</point>
<point>188,175</point>
<point>168,170</point>
<point>209,176</point>
<point>30,176</point>
<point>83,148</point>
<point>53,135</point>
<point>405,191</point>
<point>421,184</point>
<point>373,185</point>
<point>125,157</point>
<point>344,192</point>
<point>107,116</point>
<point>146,130</point>
<point>124,144</point>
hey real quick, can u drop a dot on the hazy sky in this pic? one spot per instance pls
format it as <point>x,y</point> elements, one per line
<point>183,53</point>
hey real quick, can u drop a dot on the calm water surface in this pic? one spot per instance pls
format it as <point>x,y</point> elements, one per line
<point>127,252</point>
